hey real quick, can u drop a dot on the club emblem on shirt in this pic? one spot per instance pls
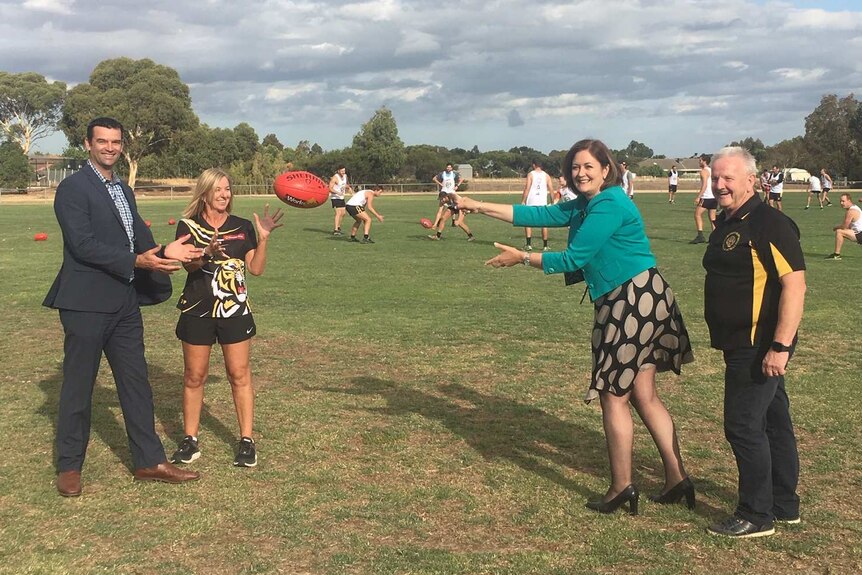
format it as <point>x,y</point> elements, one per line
<point>730,241</point>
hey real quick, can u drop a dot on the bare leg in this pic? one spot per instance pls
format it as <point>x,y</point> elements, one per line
<point>698,221</point>
<point>196,361</point>
<point>619,434</point>
<point>236,363</point>
<point>660,425</point>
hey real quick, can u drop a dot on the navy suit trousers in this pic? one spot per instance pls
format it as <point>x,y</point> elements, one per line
<point>120,336</point>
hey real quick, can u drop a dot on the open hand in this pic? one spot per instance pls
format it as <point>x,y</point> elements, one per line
<point>268,222</point>
<point>180,251</point>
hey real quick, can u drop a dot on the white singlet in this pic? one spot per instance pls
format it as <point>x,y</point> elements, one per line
<point>538,193</point>
<point>777,186</point>
<point>814,184</point>
<point>707,193</point>
<point>857,225</point>
<point>448,181</point>
<point>340,188</point>
<point>358,199</point>
<point>674,178</point>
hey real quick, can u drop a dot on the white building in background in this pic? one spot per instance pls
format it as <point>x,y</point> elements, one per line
<point>797,175</point>
<point>465,170</point>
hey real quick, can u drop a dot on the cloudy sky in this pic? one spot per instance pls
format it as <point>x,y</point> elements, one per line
<point>682,76</point>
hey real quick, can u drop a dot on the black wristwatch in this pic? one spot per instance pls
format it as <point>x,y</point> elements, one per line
<point>778,346</point>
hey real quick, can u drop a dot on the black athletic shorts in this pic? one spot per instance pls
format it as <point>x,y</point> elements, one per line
<point>774,197</point>
<point>709,203</point>
<point>337,202</point>
<point>814,191</point>
<point>208,330</point>
<point>355,210</point>
<point>859,238</point>
<point>441,195</point>
<point>672,188</point>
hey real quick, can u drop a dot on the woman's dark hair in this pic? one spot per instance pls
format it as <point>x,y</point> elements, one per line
<point>599,151</point>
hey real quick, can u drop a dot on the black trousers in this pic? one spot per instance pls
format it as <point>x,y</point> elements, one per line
<point>120,336</point>
<point>757,424</point>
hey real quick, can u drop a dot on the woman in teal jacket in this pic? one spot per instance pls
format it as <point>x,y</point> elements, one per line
<point>638,327</point>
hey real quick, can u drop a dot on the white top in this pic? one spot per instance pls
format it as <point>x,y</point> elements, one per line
<point>814,184</point>
<point>826,183</point>
<point>340,188</point>
<point>358,199</point>
<point>448,180</point>
<point>538,193</point>
<point>856,225</point>
<point>777,187</point>
<point>707,193</point>
<point>566,194</point>
<point>673,178</point>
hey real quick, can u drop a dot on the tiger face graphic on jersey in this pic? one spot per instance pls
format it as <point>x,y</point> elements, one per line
<point>228,284</point>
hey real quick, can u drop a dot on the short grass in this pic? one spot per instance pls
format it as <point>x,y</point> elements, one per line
<point>417,412</point>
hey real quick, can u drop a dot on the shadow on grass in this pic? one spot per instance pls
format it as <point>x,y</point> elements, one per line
<point>532,439</point>
<point>498,428</point>
<point>167,392</point>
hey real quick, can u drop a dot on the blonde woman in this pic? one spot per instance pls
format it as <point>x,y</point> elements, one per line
<point>214,306</point>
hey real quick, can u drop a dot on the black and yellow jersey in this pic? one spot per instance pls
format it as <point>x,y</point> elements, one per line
<point>218,289</point>
<point>746,255</point>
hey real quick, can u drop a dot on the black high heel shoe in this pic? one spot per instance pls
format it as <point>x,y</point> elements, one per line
<point>684,488</point>
<point>628,495</point>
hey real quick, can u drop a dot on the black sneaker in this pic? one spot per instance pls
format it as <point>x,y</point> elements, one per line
<point>699,239</point>
<point>187,451</point>
<point>246,455</point>
<point>337,233</point>
<point>738,528</point>
<point>833,256</point>
<point>367,241</point>
<point>352,239</point>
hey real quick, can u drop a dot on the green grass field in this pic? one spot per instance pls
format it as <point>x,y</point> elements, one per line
<point>418,412</point>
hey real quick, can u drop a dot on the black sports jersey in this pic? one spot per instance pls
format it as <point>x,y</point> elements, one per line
<point>746,255</point>
<point>218,288</point>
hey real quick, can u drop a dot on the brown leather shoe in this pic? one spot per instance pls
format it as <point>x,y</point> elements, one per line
<point>167,472</point>
<point>69,483</point>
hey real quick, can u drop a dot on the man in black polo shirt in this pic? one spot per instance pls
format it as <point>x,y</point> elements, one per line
<point>755,290</point>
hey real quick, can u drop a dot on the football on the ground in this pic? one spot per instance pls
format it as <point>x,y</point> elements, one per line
<point>300,189</point>
<point>426,223</point>
<point>40,237</point>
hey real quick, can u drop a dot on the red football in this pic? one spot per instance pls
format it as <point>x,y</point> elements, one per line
<point>172,222</point>
<point>148,223</point>
<point>426,223</point>
<point>40,237</point>
<point>300,189</point>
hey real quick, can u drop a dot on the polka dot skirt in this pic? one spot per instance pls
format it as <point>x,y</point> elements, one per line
<point>637,325</point>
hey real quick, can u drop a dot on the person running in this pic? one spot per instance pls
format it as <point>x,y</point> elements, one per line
<point>776,188</point>
<point>214,306</point>
<point>826,184</point>
<point>451,209</point>
<point>814,189</point>
<point>704,202</point>
<point>536,191</point>
<point>672,182</point>
<point>357,205</point>
<point>338,186</point>
<point>447,182</point>
<point>850,229</point>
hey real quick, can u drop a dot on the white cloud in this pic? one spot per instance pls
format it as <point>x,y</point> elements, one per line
<point>53,6</point>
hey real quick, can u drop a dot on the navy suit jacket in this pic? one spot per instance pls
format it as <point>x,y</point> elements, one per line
<point>97,261</point>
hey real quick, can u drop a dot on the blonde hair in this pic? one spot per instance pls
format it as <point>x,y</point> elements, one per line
<point>204,190</point>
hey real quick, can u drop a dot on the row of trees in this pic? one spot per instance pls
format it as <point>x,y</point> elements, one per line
<point>165,138</point>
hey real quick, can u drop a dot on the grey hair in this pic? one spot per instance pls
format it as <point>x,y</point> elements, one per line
<point>738,151</point>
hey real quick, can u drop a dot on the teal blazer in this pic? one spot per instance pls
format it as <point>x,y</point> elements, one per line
<point>607,239</point>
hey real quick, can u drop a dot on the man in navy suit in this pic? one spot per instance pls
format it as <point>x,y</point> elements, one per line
<point>111,266</point>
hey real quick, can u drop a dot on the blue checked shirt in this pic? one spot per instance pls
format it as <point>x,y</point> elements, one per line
<point>115,189</point>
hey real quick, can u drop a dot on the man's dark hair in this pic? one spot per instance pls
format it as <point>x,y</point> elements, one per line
<point>104,122</point>
<point>706,158</point>
<point>599,151</point>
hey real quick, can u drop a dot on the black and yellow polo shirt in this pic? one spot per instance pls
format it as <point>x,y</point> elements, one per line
<point>746,255</point>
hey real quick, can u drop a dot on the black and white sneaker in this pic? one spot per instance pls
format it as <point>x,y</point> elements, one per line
<point>738,528</point>
<point>187,451</point>
<point>246,455</point>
